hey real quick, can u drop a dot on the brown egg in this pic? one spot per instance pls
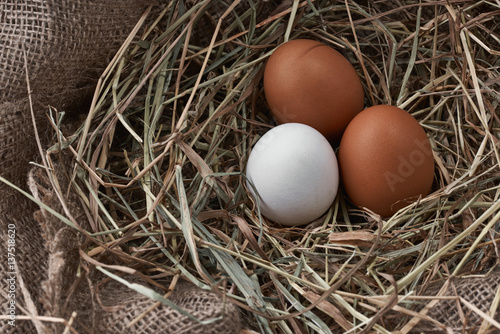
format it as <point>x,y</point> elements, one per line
<point>385,160</point>
<point>308,82</point>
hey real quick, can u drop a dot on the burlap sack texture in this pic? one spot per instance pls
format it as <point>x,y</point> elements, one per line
<point>454,314</point>
<point>65,45</point>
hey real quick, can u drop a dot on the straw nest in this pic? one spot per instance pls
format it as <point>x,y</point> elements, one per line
<point>159,160</point>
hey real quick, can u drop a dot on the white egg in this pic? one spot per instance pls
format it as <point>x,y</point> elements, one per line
<point>294,170</point>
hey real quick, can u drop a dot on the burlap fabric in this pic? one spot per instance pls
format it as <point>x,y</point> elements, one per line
<point>65,45</point>
<point>459,314</point>
<point>61,47</point>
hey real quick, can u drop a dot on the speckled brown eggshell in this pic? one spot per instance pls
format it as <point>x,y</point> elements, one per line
<point>385,160</point>
<point>308,82</point>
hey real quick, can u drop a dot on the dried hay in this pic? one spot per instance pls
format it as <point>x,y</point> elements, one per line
<point>159,161</point>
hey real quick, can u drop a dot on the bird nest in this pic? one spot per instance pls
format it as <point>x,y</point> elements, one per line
<point>159,160</point>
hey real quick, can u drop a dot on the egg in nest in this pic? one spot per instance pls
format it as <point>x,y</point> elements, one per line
<point>292,174</point>
<point>306,81</point>
<point>385,159</point>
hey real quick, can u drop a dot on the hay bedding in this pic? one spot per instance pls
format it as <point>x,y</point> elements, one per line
<point>150,184</point>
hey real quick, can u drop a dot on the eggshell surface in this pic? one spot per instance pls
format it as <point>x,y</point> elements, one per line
<point>308,82</point>
<point>295,173</point>
<point>385,160</point>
